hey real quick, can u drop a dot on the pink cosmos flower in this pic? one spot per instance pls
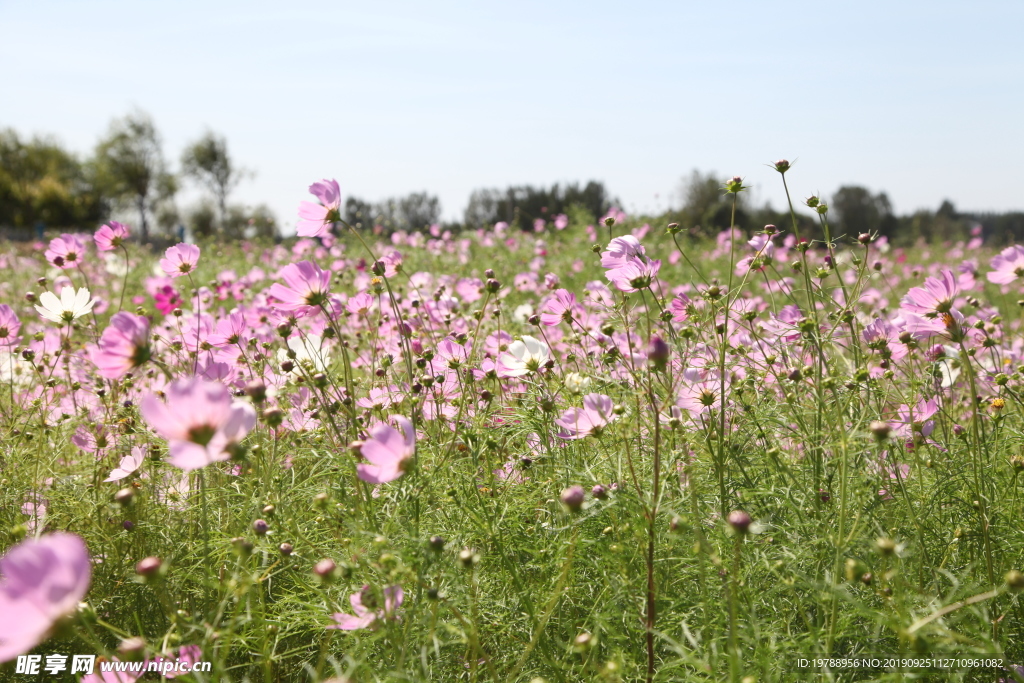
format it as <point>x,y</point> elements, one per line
<point>935,297</point>
<point>680,308</point>
<point>596,413</point>
<point>307,288</point>
<point>166,299</point>
<point>65,251</point>
<point>560,307</point>
<point>1008,265</point>
<point>629,268</point>
<point>360,304</point>
<point>621,251</point>
<point>315,220</point>
<point>181,259</point>
<point>949,324</point>
<point>9,326</point>
<point>388,451</point>
<point>110,236</point>
<point>635,275</point>
<point>700,397</point>
<point>881,335</point>
<point>363,603</point>
<point>200,421</point>
<point>41,581</point>
<point>123,346</point>
<point>128,466</point>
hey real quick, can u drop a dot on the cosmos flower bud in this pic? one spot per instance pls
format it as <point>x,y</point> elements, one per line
<point>573,497</point>
<point>880,430</point>
<point>1014,580</point>
<point>149,567</point>
<point>285,549</point>
<point>261,527</point>
<point>864,238</point>
<point>243,546</point>
<point>437,543</point>
<point>885,546</point>
<point>273,417</point>
<point>493,286</point>
<point>599,492</point>
<point>781,165</point>
<point>658,353</point>
<point>609,221</point>
<point>673,228</point>
<point>257,391</point>
<point>124,497</point>
<point>325,569</point>
<point>740,521</point>
<point>734,185</point>
<point>131,646</point>
<point>468,558</point>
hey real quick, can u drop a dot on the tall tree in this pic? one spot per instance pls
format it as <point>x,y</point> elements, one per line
<point>130,164</point>
<point>207,162</point>
<point>42,182</point>
<point>858,211</point>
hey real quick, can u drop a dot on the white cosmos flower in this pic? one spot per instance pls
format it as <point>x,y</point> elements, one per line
<point>524,356</point>
<point>70,306</point>
<point>576,383</point>
<point>309,352</point>
<point>522,313</point>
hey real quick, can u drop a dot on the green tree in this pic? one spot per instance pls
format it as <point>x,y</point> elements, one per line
<point>208,163</point>
<point>130,165</point>
<point>857,211</point>
<point>42,182</point>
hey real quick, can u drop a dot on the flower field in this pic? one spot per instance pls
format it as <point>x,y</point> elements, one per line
<point>608,452</point>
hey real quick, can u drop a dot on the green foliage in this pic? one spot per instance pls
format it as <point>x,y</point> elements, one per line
<point>130,167</point>
<point>522,205</point>
<point>41,182</point>
<point>208,162</point>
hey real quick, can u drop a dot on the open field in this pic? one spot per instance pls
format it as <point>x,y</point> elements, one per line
<point>604,452</point>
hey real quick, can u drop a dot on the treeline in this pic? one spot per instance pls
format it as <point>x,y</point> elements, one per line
<point>42,185</point>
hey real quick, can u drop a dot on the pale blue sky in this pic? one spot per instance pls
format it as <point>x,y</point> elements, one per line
<point>920,99</point>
